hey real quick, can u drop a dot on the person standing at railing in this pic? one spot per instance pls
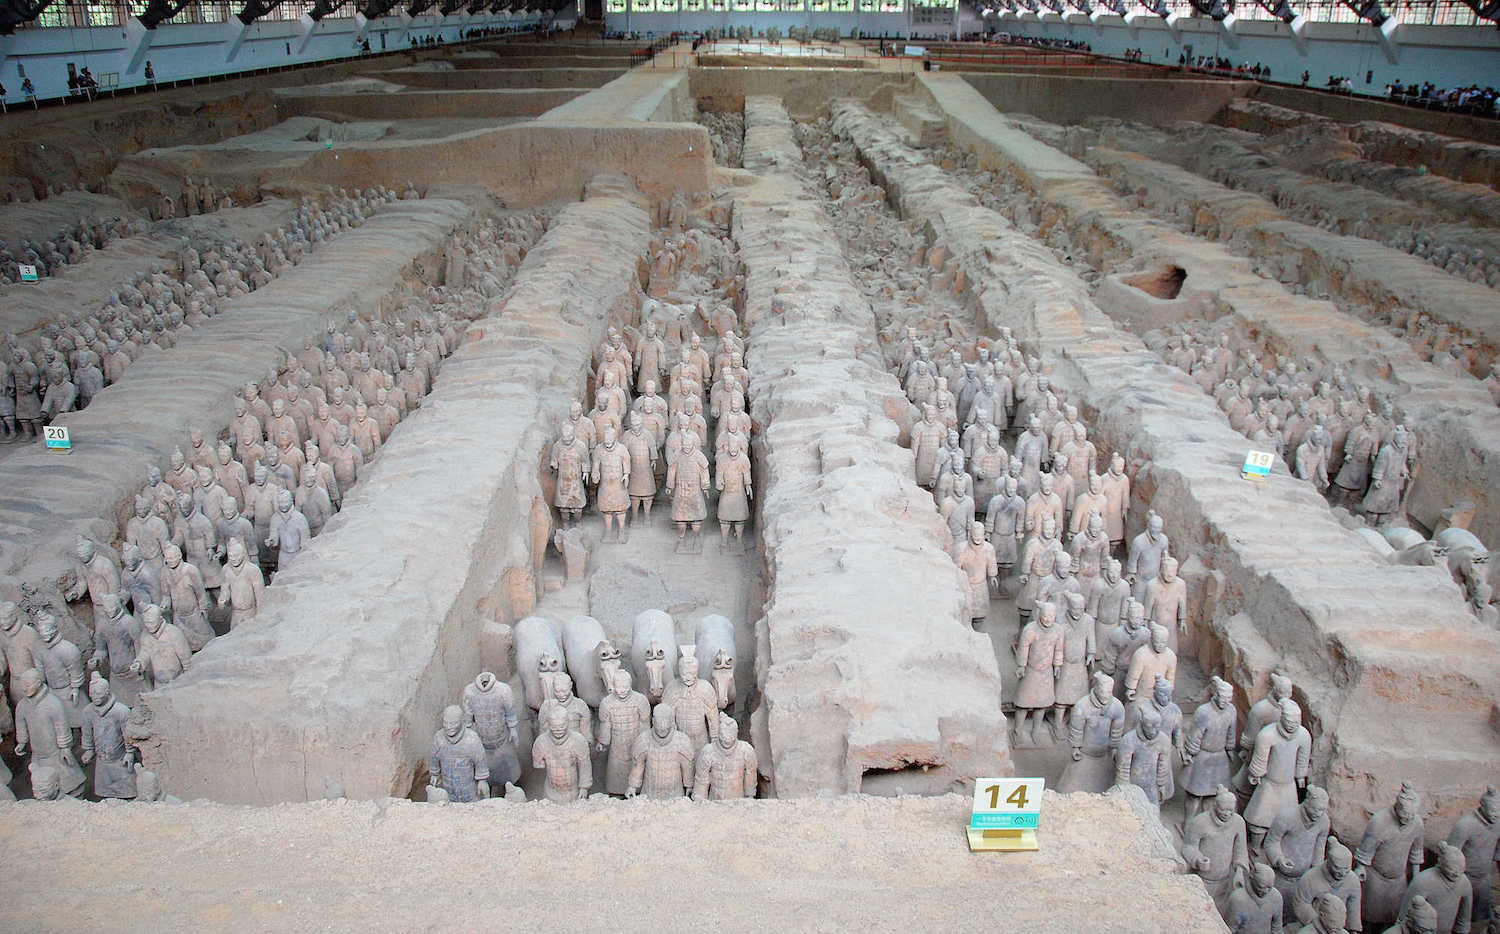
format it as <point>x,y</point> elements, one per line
<point>150,75</point>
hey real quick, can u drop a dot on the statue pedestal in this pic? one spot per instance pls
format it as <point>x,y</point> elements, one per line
<point>987,841</point>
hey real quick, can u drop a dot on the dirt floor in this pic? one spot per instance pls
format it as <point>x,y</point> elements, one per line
<point>854,863</point>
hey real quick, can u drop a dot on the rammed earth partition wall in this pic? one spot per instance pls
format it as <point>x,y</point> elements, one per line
<point>867,662</point>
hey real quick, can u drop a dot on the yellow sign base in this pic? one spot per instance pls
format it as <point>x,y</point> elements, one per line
<point>987,841</point>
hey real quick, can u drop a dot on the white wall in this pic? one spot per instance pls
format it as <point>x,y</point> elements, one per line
<point>201,49</point>
<point>868,24</point>
<point>1444,55</point>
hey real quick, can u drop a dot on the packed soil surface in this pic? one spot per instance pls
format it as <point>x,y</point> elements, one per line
<point>852,863</point>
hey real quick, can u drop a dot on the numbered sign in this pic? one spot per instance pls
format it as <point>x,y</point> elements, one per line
<point>1006,814</point>
<point>1257,465</point>
<point>1007,803</point>
<point>28,273</point>
<point>57,439</point>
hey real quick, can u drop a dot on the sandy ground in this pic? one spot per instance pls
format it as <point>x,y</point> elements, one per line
<point>846,864</point>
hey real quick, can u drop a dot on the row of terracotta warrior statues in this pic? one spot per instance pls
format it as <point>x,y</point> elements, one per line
<point>1334,432</point>
<point>64,248</point>
<point>1258,834</point>
<point>207,533</point>
<point>69,361</point>
<point>673,737</point>
<point>635,443</point>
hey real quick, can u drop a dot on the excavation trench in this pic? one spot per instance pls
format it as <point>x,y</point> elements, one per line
<point>138,421</point>
<point>1261,600</point>
<point>695,594</point>
<point>1450,414</point>
<point>338,685</point>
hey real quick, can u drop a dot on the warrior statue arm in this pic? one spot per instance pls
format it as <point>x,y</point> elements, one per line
<point>1076,720</point>
<point>751,766</point>
<point>702,778</point>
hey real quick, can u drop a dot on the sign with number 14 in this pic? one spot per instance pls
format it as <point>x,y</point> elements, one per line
<point>1009,803</point>
<point>1006,814</point>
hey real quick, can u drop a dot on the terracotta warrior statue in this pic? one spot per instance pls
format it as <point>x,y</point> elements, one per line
<point>489,709</point>
<point>694,704</point>
<point>1388,479</point>
<point>94,574</point>
<point>1477,835</point>
<point>1078,654</point>
<point>663,761</point>
<point>1207,746</point>
<point>725,767</point>
<point>1329,916</point>
<point>1388,855</point>
<point>977,560</point>
<point>1166,601</point>
<point>189,598</point>
<point>1146,553</point>
<point>1039,658</point>
<point>62,668</point>
<point>926,438</point>
<point>457,763</point>
<point>641,445</point>
<point>735,493</point>
<point>1004,524</point>
<point>580,718</point>
<point>1090,550</point>
<point>162,650</point>
<point>1297,841</point>
<point>611,475</point>
<point>289,532</point>
<point>1107,598</point>
<point>1144,758</point>
<point>623,716</point>
<point>1445,887</point>
<point>1418,917</point>
<point>563,755</point>
<point>243,584</point>
<point>104,740</point>
<point>687,482</point>
<point>115,641</point>
<point>42,724</point>
<point>1278,769</point>
<point>1153,660</point>
<point>1265,711</point>
<point>1095,725</point>
<point>1123,642</point>
<point>1334,877</point>
<point>570,461</point>
<point>1311,458</point>
<point>1213,846</point>
<point>1257,907</point>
